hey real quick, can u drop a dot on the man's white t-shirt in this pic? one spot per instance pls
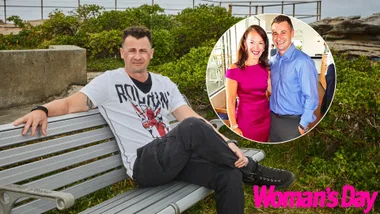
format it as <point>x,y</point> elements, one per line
<point>135,117</point>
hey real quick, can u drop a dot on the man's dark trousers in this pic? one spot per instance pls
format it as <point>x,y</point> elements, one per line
<point>195,153</point>
<point>283,127</point>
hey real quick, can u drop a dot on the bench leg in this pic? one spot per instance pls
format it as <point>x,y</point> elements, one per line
<point>7,202</point>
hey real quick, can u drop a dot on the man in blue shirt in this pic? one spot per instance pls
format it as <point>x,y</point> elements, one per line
<point>294,81</point>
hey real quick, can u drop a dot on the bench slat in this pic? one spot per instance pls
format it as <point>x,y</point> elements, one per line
<point>138,202</point>
<point>188,200</point>
<point>131,197</point>
<point>150,201</point>
<point>78,191</point>
<point>31,170</point>
<point>161,204</point>
<point>67,177</point>
<point>29,152</point>
<point>13,136</point>
<point>256,155</point>
<point>62,179</point>
<point>10,126</point>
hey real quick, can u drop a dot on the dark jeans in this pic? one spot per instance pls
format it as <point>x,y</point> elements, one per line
<point>195,153</point>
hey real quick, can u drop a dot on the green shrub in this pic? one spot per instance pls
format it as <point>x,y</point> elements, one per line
<point>192,27</point>
<point>104,44</point>
<point>163,44</point>
<point>189,73</point>
<point>151,17</point>
<point>87,11</point>
<point>108,20</point>
<point>17,21</point>
<point>59,24</point>
<point>102,65</point>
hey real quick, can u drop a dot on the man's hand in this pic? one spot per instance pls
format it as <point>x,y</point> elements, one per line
<point>301,130</point>
<point>243,160</point>
<point>33,119</point>
<point>77,102</point>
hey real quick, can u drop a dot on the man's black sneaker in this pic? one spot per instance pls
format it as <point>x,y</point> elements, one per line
<point>269,176</point>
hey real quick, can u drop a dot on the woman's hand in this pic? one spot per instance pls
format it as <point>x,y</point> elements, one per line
<point>238,131</point>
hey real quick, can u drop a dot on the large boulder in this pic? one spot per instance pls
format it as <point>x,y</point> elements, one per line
<point>353,35</point>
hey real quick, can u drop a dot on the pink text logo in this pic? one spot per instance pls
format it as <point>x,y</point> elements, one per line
<point>350,197</point>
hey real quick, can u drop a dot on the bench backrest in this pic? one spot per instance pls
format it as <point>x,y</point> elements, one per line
<point>79,155</point>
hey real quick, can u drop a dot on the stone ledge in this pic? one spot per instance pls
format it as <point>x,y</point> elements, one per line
<point>30,76</point>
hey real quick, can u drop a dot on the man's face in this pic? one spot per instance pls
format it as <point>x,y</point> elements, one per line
<point>137,54</point>
<point>255,45</point>
<point>282,35</point>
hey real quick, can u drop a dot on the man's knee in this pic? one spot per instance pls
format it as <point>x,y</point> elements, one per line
<point>194,122</point>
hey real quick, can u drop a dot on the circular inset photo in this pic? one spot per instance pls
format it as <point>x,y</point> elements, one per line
<point>271,78</point>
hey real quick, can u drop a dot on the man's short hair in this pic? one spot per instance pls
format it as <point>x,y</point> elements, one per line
<point>281,18</point>
<point>137,32</point>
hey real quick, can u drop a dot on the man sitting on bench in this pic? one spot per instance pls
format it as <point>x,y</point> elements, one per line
<point>135,103</point>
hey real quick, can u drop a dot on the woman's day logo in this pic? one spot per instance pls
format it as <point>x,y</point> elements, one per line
<point>307,199</point>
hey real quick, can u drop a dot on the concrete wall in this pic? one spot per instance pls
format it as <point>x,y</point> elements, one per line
<point>29,76</point>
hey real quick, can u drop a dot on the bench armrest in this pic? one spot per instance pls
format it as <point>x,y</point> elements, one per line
<point>10,193</point>
<point>217,122</point>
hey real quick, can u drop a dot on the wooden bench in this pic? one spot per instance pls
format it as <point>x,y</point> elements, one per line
<point>78,157</point>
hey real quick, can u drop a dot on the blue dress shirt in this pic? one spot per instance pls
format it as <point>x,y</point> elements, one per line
<point>294,85</point>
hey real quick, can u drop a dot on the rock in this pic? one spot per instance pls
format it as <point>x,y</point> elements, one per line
<point>353,17</point>
<point>352,35</point>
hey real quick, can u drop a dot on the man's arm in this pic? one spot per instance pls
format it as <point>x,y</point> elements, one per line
<point>77,102</point>
<point>184,111</point>
<point>231,92</point>
<point>308,77</point>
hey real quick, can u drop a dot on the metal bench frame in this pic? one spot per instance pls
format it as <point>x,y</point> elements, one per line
<point>78,157</point>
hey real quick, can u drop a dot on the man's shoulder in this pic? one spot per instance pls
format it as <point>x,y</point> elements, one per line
<point>115,72</point>
<point>110,73</point>
<point>301,56</point>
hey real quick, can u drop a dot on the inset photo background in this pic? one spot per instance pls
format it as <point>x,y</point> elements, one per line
<point>305,39</point>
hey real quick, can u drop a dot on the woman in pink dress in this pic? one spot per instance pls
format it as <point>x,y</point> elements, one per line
<point>246,86</point>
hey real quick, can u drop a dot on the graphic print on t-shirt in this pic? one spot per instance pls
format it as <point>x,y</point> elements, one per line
<point>148,107</point>
<point>151,119</point>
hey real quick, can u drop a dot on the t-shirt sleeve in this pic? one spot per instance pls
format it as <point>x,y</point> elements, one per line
<point>97,89</point>
<point>176,98</point>
<point>232,74</point>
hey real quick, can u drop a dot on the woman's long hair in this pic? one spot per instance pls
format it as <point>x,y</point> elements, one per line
<point>242,54</point>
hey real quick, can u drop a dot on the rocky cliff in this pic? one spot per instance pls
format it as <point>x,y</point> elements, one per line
<point>352,35</point>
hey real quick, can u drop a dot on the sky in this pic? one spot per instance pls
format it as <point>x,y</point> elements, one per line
<point>330,8</point>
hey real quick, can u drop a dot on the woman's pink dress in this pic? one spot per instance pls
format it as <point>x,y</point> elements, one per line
<point>252,111</point>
